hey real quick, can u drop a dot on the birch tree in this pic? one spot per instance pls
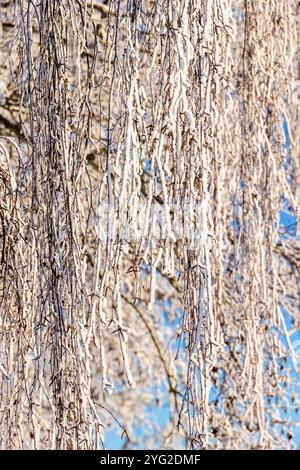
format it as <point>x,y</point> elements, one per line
<point>149,181</point>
